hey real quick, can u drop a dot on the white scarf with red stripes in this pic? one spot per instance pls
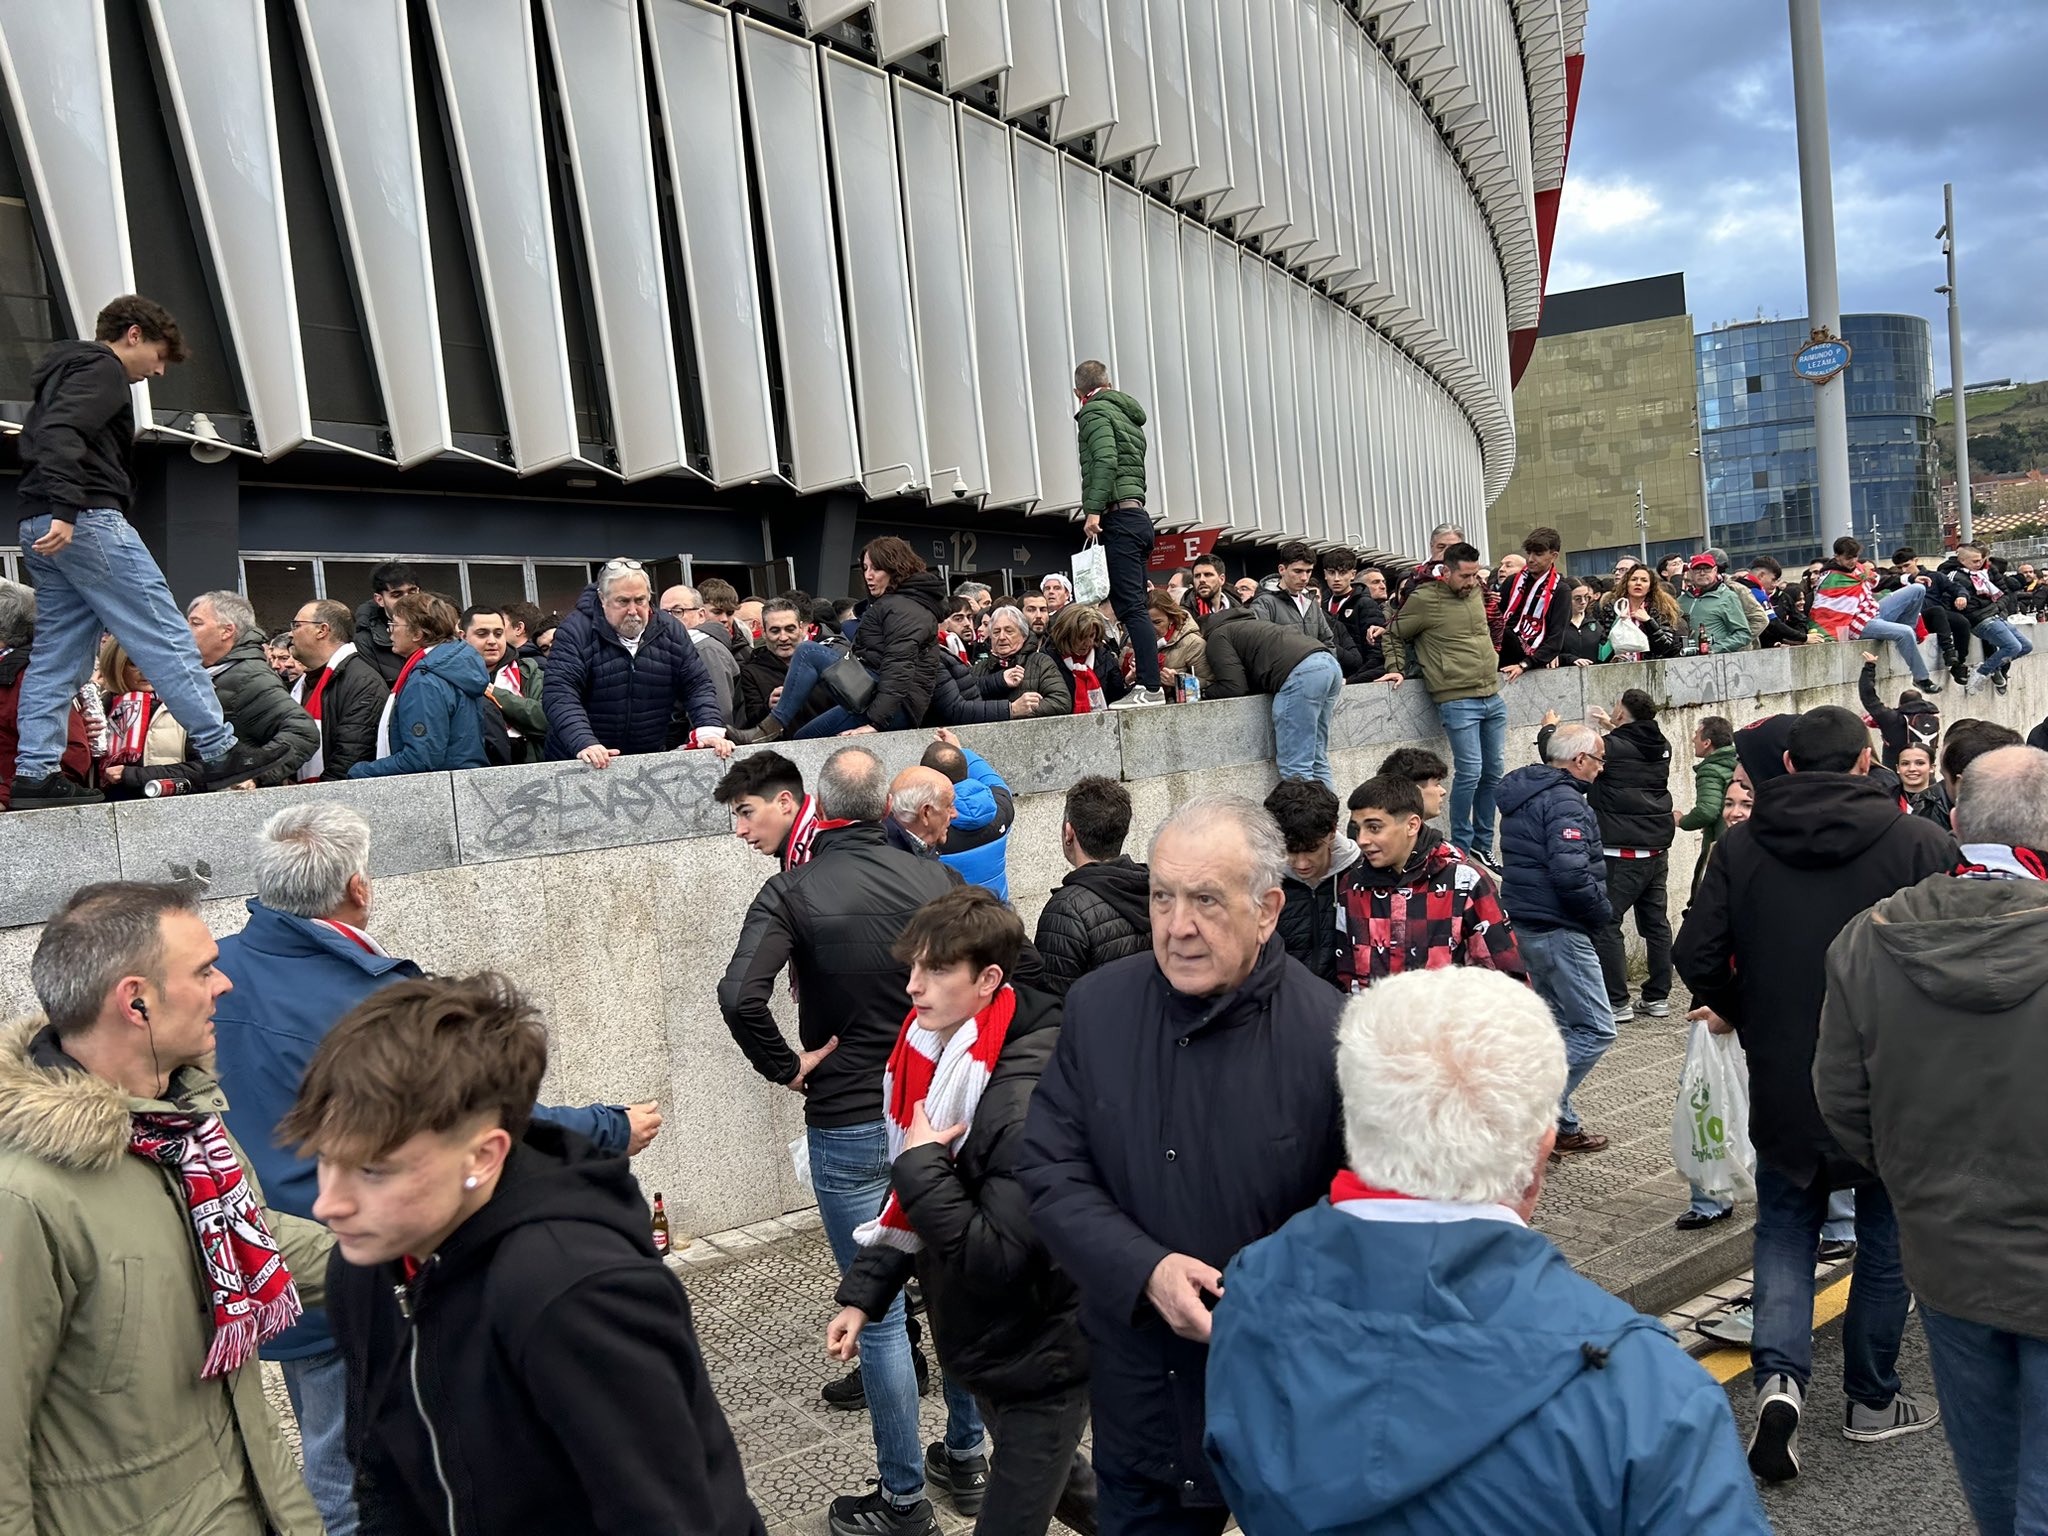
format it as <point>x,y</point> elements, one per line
<point>946,1075</point>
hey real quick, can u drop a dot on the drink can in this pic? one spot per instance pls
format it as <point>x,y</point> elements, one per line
<point>1191,689</point>
<point>156,789</point>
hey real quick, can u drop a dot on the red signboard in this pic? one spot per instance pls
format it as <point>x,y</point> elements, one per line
<point>1171,551</point>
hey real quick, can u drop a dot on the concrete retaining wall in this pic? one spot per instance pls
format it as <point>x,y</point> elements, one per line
<point>615,898</point>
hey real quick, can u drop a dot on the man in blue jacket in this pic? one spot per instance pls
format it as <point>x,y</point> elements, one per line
<point>1408,1356</point>
<point>978,840</point>
<point>1554,885</point>
<point>299,966</point>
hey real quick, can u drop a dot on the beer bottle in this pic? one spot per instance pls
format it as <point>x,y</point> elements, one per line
<point>660,1227</point>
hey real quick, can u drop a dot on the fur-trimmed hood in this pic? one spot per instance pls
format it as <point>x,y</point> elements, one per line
<point>70,1118</point>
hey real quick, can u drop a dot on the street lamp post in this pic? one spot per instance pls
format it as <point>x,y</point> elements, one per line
<point>1642,523</point>
<point>1947,236</point>
<point>1823,293</point>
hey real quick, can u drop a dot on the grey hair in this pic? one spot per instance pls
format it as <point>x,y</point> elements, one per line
<point>230,608</point>
<point>616,570</point>
<point>1261,833</point>
<point>853,786</point>
<point>1014,614</point>
<point>911,801</point>
<point>974,589</point>
<point>17,614</point>
<point>305,856</point>
<point>1567,741</point>
<point>1449,1079</point>
<point>105,931</point>
<point>2004,798</point>
<point>1443,528</point>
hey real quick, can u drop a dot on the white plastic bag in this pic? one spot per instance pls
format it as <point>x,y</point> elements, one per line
<point>1710,1126</point>
<point>1091,574</point>
<point>800,1160</point>
<point>1627,635</point>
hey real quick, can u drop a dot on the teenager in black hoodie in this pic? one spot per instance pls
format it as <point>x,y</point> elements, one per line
<point>518,1357</point>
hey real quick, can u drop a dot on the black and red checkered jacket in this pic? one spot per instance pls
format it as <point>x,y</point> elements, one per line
<point>1441,910</point>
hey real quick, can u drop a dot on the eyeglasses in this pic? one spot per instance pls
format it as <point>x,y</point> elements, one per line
<point>309,623</point>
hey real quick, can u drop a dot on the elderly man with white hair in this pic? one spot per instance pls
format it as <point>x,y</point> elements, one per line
<point>1410,1356</point>
<point>1190,1109</point>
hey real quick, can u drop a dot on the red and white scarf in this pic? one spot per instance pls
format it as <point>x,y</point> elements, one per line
<point>948,1076</point>
<point>1843,603</point>
<point>954,644</point>
<point>1528,622</point>
<point>250,1288</point>
<point>507,677</point>
<point>391,704</point>
<point>796,848</point>
<point>311,692</point>
<point>128,717</point>
<point>1088,696</point>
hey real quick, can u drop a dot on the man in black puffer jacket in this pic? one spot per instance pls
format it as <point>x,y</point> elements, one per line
<point>1632,798</point>
<point>253,699</point>
<point>1101,911</point>
<point>619,672</point>
<point>1005,1320</point>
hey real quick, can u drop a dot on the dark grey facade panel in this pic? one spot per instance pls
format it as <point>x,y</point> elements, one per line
<point>1630,303</point>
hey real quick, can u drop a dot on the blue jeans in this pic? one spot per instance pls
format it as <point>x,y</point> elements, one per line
<point>1896,613</point>
<point>1788,1223</point>
<point>2003,645</point>
<point>1706,1204</point>
<point>1478,729</point>
<point>1993,1387</point>
<point>1127,538</point>
<point>318,1387</point>
<point>850,1172</point>
<point>810,663</point>
<point>1566,970</point>
<point>1302,711</point>
<point>104,579</point>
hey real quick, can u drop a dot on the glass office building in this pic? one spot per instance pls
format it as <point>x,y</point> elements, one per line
<point>1756,431</point>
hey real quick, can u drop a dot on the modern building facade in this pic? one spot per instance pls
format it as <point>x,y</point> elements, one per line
<point>1756,426</point>
<point>508,286</point>
<point>1605,410</point>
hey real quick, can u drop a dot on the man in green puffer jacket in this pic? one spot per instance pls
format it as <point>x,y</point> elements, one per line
<point>1111,426</point>
<point>253,699</point>
<point>1713,770</point>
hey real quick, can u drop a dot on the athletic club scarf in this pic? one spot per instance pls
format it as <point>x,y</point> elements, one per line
<point>2000,861</point>
<point>391,704</point>
<point>252,1293</point>
<point>954,644</point>
<point>128,717</point>
<point>1843,603</point>
<point>1528,608</point>
<point>947,1076</point>
<point>1087,686</point>
<point>796,848</point>
<point>311,699</point>
<point>1349,1186</point>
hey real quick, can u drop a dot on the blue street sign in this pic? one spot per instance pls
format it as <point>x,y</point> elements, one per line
<point>1819,361</point>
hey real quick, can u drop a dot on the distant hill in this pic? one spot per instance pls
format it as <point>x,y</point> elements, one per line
<point>2008,431</point>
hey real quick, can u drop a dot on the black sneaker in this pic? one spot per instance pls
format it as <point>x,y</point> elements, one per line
<point>1835,1250</point>
<point>847,1392</point>
<point>876,1514</point>
<point>963,1480</point>
<point>2000,681</point>
<point>50,794</point>
<point>241,763</point>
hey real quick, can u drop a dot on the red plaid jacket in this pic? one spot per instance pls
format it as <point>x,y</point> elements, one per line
<point>1441,910</point>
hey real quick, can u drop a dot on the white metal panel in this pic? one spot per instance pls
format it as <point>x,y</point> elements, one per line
<point>1087,231</point>
<point>1326,521</point>
<point>1037,76</point>
<point>216,68</point>
<point>1289,483</point>
<point>1275,209</point>
<point>492,90</point>
<point>1048,330</point>
<point>1175,155</point>
<point>1301,198</point>
<point>1306,511</point>
<point>1125,237</point>
<point>1241,112</point>
<point>888,398</point>
<point>359,64</point>
<point>787,119</point>
<point>1336,144</point>
<point>611,152</point>
<point>1209,99</point>
<point>902,27</point>
<point>1170,426</point>
<point>1315,109</point>
<point>930,158</point>
<point>977,43</point>
<point>1353,205</point>
<point>696,75</point>
<point>1233,379</point>
<point>1262,393</point>
<point>820,14</point>
<point>1137,109</point>
<point>1090,102</point>
<point>999,346</point>
<point>1205,391</point>
<point>1348,435</point>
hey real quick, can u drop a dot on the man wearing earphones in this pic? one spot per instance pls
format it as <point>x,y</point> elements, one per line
<point>140,1268</point>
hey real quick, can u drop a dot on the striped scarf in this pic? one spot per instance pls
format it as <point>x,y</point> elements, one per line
<point>947,1076</point>
<point>1843,603</point>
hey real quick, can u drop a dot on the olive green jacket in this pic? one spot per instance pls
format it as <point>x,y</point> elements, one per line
<point>1449,636</point>
<point>1112,430</point>
<point>105,1422</point>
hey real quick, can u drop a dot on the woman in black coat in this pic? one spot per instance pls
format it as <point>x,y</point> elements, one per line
<point>1585,630</point>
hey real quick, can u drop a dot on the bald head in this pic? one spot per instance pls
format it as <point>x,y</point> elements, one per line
<point>2004,799</point>
<point>921,800</point>
<point>684,606</point>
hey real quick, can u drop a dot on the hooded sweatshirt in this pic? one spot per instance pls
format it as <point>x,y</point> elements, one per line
<point>1444,1377</point>
<point>977,844</point>
<point>1308,922</point>
<point>1933,1049</point>
<point>1439,909</point>
<point>540,1372</point>
<point>79,439</point>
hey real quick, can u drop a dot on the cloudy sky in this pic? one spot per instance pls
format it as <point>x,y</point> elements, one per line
<point>1684,159</point>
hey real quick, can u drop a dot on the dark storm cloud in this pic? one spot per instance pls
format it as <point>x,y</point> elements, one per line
<point>1685,159</point>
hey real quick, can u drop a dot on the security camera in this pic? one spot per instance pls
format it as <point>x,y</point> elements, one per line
<point>959,489</point>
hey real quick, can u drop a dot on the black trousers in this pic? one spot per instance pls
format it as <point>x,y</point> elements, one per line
<point>1134,1506</point>
<point>1035,1469</point>
<point>1127,536</point>
<point>1950,630</point>
<point>1636,885</point>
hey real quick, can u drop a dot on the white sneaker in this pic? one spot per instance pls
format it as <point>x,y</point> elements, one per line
<point>1139,698</point>
<point>1975,684</point>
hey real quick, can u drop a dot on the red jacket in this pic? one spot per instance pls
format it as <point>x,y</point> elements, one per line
<point>1441,910</point>
<point>77,762</point>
